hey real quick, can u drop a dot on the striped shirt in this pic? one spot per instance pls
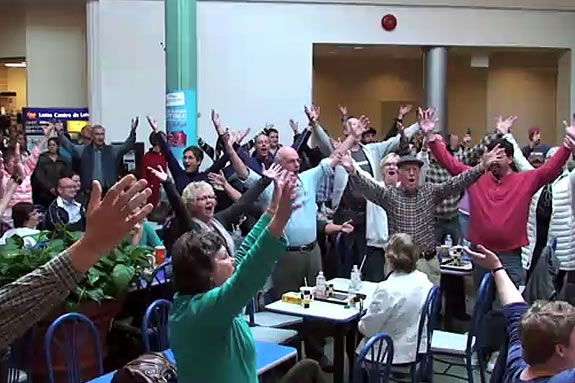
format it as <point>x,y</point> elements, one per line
<point>23,192</point>
<point>27,300</point>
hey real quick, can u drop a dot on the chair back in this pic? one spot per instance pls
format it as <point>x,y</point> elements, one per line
<point>155,326</point>
<point>160,283</point>
<point>344,260</point>
<point>251,310</point>
<point>19,360</point>
<point>485,298</point>
<point>375,360</point>
<point>77,331</point>
<point>428,318</point>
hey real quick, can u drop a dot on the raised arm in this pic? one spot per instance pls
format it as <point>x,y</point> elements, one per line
<point>28,299</point>
<point>241,206</point>
<point>74,149</point>
<point>459,183</point>
<point>364,182</point>
<point>30,163</point>
<point>521,163</point>
<point>229,299</point>
<point>128,144</point>
<point>182,214</point>
<point>173,164</point>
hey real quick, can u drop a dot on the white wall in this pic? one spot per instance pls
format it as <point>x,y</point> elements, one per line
<point>255,60</point>
<point>127,62</point>
<point>56,55</point>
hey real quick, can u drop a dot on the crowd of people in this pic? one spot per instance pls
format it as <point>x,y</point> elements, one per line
<point>266,217</point>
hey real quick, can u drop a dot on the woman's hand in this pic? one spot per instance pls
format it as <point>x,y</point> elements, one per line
<point>484,257</point>
<point>285,194</point>
<point>217,179</point>
<point>153,124</point>
<point>159,173</point>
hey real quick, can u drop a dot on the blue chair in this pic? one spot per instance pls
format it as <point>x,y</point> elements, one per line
<point>76,335</point>
<point>465,346</point>
<point>161,282</point>
<point>155,326</point>
<point>18,365</point>
<point>375,359</point>
<point>423,364</point>
<point>271,334</point>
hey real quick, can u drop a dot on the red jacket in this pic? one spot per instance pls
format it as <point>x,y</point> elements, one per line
<point>153,159</point>
<point>499,209</point>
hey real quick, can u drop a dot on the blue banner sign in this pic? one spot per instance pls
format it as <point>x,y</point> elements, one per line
<point>35,119</point>
<point>181,120</point>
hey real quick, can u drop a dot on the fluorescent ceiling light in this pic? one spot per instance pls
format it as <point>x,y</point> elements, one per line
<point>16,65</point>
<point>357,48</point>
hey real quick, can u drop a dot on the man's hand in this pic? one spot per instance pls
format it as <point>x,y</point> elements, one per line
<point>159,173</point>
<point>360,128</point>
<point>342,112</point>
<point>49,129</point>
<point>217,179</point>
<point>153,124</point>
<point>346,161</point>
<point>495,155</point>
<point>294,126</point>
<point>312,113</point>
<point>403,111</point>
<point>110,219</point>
<point>241,135</point>
<point>217,123</point>
<point>135,122</point>
<point>273,172</point>
<point>503,126</point>
<point>427,119</point>
<point>484,257</point>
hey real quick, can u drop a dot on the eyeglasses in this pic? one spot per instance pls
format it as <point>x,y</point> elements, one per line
<point>205,198</point>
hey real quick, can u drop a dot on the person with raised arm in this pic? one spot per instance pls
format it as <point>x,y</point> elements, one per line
<point>499,201</point>
<point>98,160</point>
<point>541,346</point>
<point>27,300</point>
<point>410,206</point>
<point>211,294</point>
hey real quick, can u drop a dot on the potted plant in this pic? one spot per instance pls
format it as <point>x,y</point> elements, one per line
<point>99,295</point>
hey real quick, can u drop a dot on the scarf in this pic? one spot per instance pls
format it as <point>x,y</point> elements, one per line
<point>215,226</point>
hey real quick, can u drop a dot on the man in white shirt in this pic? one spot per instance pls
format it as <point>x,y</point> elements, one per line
<point>65,210</point>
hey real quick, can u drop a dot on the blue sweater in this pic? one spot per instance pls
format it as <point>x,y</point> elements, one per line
<point>515,363</point>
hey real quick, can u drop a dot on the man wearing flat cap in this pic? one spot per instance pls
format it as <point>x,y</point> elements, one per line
<point>411,207</point>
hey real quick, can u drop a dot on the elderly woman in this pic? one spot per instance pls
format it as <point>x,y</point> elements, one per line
<point>389,170</point>
<point>195,210</point>
<point>210,339</point>
<point>397,302</point>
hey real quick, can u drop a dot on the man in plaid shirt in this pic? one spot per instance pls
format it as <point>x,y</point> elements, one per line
<point>28,299</point>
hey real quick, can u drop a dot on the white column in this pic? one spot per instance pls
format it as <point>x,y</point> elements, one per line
<point>94,59</point>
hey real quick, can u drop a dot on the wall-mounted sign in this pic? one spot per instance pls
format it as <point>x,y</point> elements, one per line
<point>181,120</point>
<point>35,119</point>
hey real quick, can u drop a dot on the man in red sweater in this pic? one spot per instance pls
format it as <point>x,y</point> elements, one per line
<point>499,200</point>
<point>153,159</point>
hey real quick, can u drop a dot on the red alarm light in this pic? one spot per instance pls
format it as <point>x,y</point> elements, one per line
<point>389,22</point>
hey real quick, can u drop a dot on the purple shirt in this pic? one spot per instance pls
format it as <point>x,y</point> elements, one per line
<point>515,363</point>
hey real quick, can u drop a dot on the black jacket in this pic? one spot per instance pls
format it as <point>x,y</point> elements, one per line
<point>57,216</point>
<point>46,176</point>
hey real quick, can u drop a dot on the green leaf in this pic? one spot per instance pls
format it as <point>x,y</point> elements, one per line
<point>123,276</point>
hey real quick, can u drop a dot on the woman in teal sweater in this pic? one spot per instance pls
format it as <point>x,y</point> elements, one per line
<point>211,341</point>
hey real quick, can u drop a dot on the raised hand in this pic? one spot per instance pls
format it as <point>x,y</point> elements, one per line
<point>493,156</point>
<point>273,172</point>
<point>346,161</point>
<point>159,173</point>
<point>358,129</point>
<point>570,129</point>
<point>153,124</point>
<point>427,119</point>
<point>217,179</point>
<point>241,135</point>
<point>503,126</point>
<point>484,257</point>
<point>49,129</point>
<point>294,126</point>
<point>312,113</point>
<point>217,123</point>
<point>342,111</point>
<point>284,194</point>
<point>404,110</point>
<point>135,122</point>
<point>110,219</point>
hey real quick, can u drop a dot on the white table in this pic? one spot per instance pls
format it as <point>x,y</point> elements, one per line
<point>345,320</point>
